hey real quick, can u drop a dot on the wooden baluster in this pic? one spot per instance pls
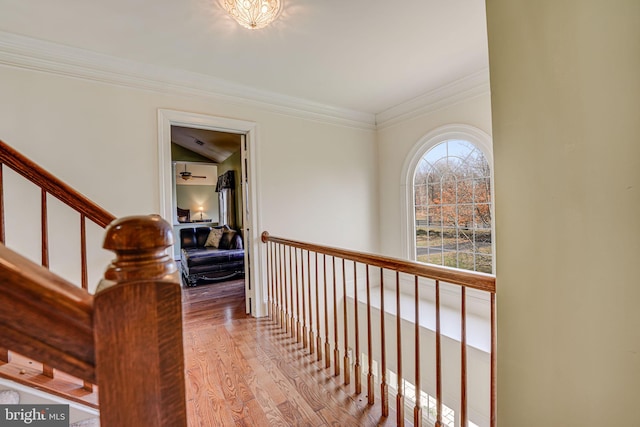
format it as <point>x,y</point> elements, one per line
<point>327,346</point>
<point>304,306</point>
<point>281,315</point>
<point>4,353</point>
<point>318,339</point>
<point>311,340</point>
<point>274,283</point>
<point>384,387</point>
<point>285,296</point>
<point>44,229</point>
<point>274,312</point>
<point>268,262</point>
<point>281,289</point>
<point>47,370</point>
<point>336,350</point>
<point>274,279</point>
<point>400,395</point>
<point>281,286</point>
<point>291,315</point>
<point>298,324</point>
<point>463,357</point>
<point>137,318</point>
<point>370,392</point>
<point>84,274</point>
<point>347,367</point>
<point>83,252</point>
<point>268,256</point>
<point>276,307</point>
<point>357,371</point>
<point>277,284</point>
<point>274,273</point>
<point>494,364</point>
<point>417,410</point>
<point>287,322</point>
<point>438,360</point>
<point>2,238</point>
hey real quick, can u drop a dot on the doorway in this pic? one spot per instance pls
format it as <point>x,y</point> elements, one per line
<point>245,133</point>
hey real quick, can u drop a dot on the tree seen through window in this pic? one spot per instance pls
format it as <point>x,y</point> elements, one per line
<point>452,190</point>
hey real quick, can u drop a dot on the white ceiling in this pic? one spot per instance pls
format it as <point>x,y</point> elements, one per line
<point>361,55</point>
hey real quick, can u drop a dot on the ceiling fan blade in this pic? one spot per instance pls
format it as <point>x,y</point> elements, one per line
<point>197,176</point>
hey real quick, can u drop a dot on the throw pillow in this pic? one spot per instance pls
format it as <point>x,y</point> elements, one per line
<point>213,240</point>
<point>227,238</point>
<point>9,397</point>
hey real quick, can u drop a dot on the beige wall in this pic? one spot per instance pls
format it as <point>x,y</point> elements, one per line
<point>323,184</point>
<point>566,120</point>
<point>317,180</point>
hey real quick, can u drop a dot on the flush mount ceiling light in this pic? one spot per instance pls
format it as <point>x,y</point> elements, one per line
<point>253,14</point>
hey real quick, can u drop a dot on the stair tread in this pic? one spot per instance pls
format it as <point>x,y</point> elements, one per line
<point>27,372</point>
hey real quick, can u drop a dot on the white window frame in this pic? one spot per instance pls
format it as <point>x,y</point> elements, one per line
<point>477,137</point>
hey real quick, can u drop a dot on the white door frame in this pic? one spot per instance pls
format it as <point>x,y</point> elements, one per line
<point>168,118</point>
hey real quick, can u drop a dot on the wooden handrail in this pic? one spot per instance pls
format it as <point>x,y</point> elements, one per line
<point>342,300</point>
<point>476,280</point>
<point>45,317</point>
<point>54,186</point>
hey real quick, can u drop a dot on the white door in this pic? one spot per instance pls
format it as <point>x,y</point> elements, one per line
<point>246,221</point>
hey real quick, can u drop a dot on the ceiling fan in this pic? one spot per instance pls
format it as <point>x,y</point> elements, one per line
<point>186,175</point>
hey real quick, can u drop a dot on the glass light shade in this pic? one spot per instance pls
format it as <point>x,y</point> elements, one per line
<point>253,14</point>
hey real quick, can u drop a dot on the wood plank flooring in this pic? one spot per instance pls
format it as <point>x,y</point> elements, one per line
<point>243,371</point>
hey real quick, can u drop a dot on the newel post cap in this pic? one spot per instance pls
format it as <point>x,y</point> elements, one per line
<point>137,233</point>
<point>140,244</point>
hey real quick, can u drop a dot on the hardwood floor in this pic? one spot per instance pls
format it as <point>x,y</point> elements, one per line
<point>243,371</point>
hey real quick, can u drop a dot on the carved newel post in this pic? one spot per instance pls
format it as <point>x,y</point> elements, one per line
<point>140,244</point>
<point>138,328</point>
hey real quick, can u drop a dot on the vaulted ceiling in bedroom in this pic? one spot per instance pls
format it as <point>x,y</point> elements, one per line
<point>214,145</point>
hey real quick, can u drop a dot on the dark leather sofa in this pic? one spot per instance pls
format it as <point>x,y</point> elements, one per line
<point>204,263</point>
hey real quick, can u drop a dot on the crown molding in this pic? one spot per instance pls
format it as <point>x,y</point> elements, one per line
<point>471,86</point>
<point>44,56</point>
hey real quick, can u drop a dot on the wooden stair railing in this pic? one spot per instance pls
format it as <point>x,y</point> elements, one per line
<point>293,294</point>
<point>127,338</point>
<point>49,184</point>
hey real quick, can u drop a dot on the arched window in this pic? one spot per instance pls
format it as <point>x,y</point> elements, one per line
<point>452,205</point>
